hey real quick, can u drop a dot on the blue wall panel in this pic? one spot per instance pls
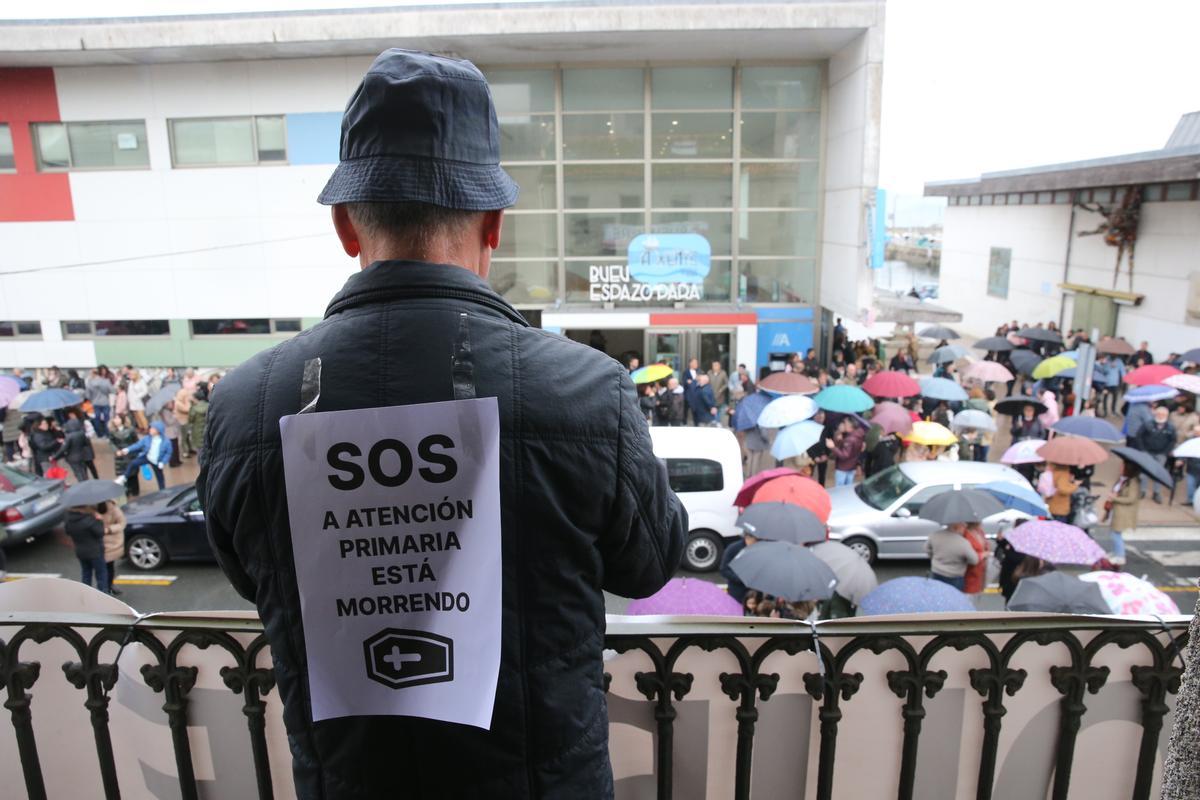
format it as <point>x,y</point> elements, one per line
<point>313,138</point>
<point>783,330</point>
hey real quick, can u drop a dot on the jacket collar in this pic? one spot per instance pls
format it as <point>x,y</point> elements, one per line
<point>385,281</point>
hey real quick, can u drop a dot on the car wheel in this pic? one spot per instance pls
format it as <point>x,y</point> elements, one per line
<point>145,552</point>
<point>703,552</point>
<point>864,547</point>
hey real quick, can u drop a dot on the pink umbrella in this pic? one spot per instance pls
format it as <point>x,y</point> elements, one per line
<point>1024,452</point>
<point>1185,383</point>
<point>1149,374</point>
<point>988,372</point>
<point>1126,594</point>
<point>745,495</point>
<point>9,389</point>
<point>892,417</point>
<point>1054,541</point>
<point>687,596</point>
<point>891,384</point>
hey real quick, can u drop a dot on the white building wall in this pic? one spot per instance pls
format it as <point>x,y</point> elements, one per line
<point>1166,256</point>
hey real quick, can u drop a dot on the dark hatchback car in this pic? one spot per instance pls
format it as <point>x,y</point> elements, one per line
<point>165,526</point>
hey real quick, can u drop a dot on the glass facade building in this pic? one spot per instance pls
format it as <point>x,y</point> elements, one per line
<point>604,154</point>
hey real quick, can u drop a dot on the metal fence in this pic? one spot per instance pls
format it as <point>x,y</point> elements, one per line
<point>833,685</point>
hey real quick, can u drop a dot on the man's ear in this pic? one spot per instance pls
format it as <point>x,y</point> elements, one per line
<point>345,230</point>
<point>492,222</point>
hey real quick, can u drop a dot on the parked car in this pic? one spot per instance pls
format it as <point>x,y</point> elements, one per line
<point>29,505</point>
<point>704,466</point>
<point>164,526</point>
<point>878,518</point>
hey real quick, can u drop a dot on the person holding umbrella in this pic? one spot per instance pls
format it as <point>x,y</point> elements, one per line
<point>113,519</point>
<point>1028,426</point>
<point>1122,503</point>
<point>85,526</point>
<point>1156,439</point>
<point>1065,485</point>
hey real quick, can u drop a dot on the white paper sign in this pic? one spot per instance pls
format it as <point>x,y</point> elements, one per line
<point>395,516</point>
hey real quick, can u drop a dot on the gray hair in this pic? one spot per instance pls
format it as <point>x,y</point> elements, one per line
<point>411,225</point>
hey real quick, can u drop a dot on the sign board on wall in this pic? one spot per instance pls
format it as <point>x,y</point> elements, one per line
<point>999,264</point>
<point>660,267</point>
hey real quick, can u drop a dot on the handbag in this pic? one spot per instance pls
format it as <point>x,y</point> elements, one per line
<point>55,472</point>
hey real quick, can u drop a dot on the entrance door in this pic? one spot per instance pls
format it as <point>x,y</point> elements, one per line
<point>1093,311</point>
<point>677,347</point>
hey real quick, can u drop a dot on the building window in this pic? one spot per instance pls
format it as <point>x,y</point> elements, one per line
<point>999,264</point>
<point>90,145</point>
<point>1181,191</point>
<point>20,330</point>
<point>88,329</point>
<point>258,326</point>
<point>1045,197</point>
<point>607,154</point>
<point>1102,195</point>
<point>7,162</point>
<point>228,141</point>
<point>1062,198</point>
<point>989,200</point>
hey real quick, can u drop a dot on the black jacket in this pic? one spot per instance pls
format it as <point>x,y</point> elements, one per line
<point>1155,439</point>
<point>44,444</point>
<point>585,506</point>
<point>87,533</point>
<point>75,447</point>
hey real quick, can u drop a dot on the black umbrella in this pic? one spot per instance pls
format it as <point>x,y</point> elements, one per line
<point>940,332</point>
<point>1058,593</point>
<point>782,522</point>
<point>89,493</point>
<point>994,344</point>
<point>1025,361</point>
<point>1013,404</point>
<point>1041,335</point>
<point>963,505</point>
<point>785,570</point>
<point>1154,470</point>
<point>160,398</point>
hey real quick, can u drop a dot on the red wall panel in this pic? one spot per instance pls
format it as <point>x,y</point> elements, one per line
<point>28,95</point>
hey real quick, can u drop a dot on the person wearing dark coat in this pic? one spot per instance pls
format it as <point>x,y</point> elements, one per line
<point>672,404</point>
<point>733,584</point>
<point>584,505</point>
<point>703,402</point>
<point>1157,439</point>
<point>77,450</point>
<point>44,443</point>
<point>882,455</point>
<point>85,526</point>
<point>1027,426</point>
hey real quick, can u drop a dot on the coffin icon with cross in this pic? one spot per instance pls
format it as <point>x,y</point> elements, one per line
<point>400,658</point>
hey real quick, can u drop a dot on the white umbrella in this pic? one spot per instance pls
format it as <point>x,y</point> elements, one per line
<point>1189,449</point>
<point>786,410</point>
<point>973,418</point>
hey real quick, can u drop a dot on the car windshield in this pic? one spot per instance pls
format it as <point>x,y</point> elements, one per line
<point>884,488</point>
<point>12,479</point>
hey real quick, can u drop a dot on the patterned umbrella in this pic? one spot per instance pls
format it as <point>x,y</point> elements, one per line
<point>1058,593</point>
<point>988,372</point>
<point>787,410</point>
<point>1094,428</point>
<point>1054,541</point>
<point>788,383</point>
<point>855,577</point>
<point>844,399</point>
<point>1073,452</point>
<point>782,522</point>
<point>1024,452</point>
<point>912,595</point>
<point>1151,373</point>
<point>942,389</point>
<point>1115,347</point>
<point>651,373</point>
<point>930,434</point>
<point>785,570</point>
<point>50,400</point>
<point>796,439</point>
<point>1126,594</point>
<point>1151,393</point>
<point>745,495</point>
<point>892,418</point>
<point>994,344</point>
<point>973,418</point>
<point>797,489</point>
<point>1185,383</point>
<point>748,410</point>
<point>687,596</point>
<point>891,384</point>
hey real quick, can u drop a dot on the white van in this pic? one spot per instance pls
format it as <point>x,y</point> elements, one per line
<point>705,469</point>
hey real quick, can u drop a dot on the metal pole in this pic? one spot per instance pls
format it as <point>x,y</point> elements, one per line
<point>1085,365</point>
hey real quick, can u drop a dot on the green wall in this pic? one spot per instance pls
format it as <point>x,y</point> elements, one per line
<point>180,349</point>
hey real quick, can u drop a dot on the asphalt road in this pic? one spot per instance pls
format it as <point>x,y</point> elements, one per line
<point>1166,551</point>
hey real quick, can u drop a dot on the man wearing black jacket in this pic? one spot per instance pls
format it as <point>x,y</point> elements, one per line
<point>584,504</point>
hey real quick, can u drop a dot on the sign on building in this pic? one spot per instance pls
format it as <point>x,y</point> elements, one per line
<point>660,267</point>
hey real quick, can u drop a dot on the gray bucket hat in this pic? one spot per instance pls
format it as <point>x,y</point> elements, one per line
<point>421,128</point>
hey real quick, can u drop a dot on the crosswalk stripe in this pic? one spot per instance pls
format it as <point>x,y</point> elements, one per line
<point>16,576</point>
<point>1174,558</point>
<point>1183,534</point>
<point>146,580</point>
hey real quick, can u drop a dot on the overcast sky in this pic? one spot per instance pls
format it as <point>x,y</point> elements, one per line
<point>970,86</point>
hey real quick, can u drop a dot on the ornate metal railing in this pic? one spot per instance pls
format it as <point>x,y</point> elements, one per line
<point>830,674</point>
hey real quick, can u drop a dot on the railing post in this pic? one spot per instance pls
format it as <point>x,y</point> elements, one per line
<point>18,677</point>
